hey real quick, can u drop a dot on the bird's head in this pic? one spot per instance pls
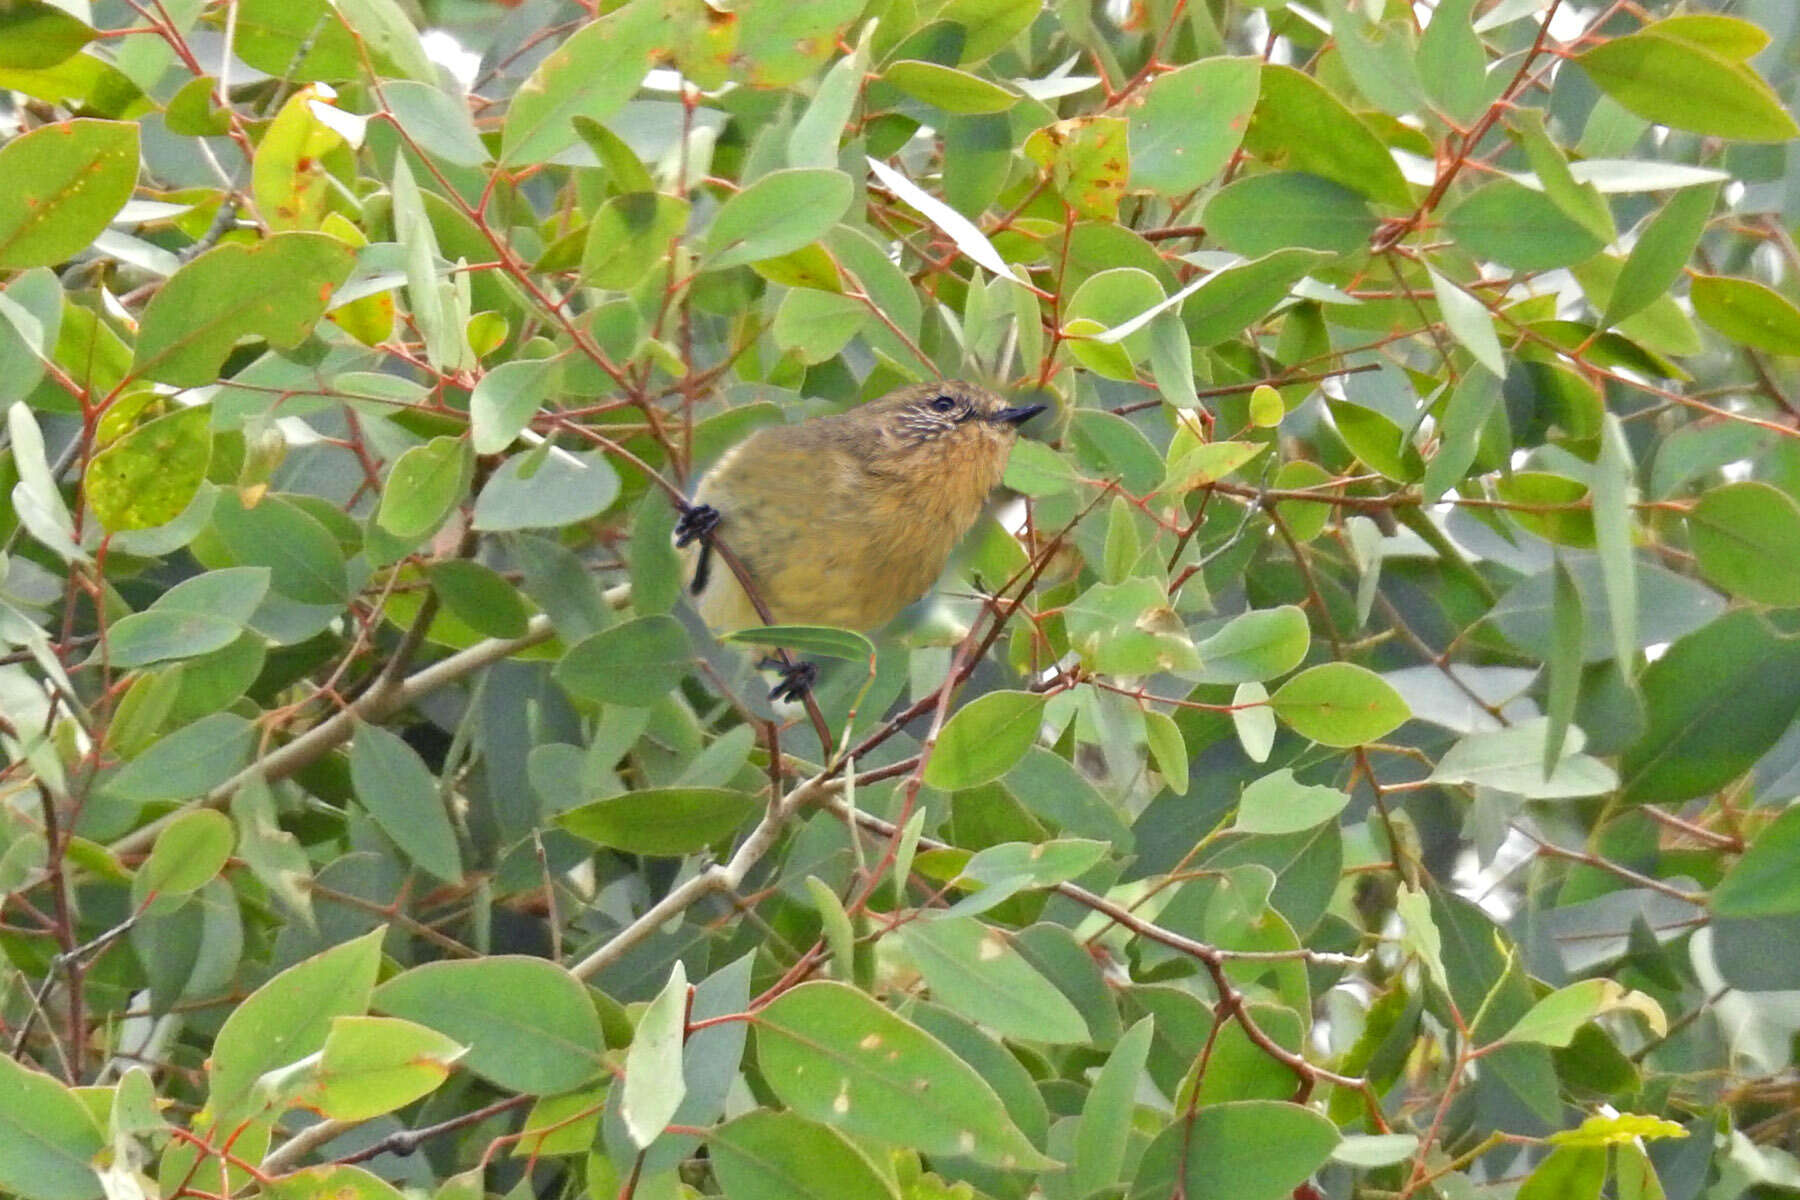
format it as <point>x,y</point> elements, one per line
<point>947,428</point>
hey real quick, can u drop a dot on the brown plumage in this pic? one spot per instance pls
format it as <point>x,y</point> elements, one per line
<point>846,519</point>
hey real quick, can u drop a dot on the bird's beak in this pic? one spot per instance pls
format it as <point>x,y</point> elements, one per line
<point>1018,414</point>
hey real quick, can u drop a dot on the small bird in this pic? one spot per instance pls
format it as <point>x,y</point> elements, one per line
<point>846,519</point>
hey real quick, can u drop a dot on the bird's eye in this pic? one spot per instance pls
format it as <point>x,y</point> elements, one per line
<point>943,404</point>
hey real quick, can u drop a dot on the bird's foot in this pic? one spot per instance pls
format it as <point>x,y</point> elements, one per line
<point>696,524</point>
<point>797,679</point>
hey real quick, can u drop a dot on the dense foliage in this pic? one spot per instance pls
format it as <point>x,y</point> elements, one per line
<point>1356,757</point>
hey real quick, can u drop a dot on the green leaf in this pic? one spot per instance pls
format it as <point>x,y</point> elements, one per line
<point>1453,65</point>
<point>654,1087</point>
<point>1464,417</point>
<point>1381,56</point>
<point>1716,701</point>
<point>661,821</point>
<point>1555,1019</point>
<point>1687,86</point>
<point>1279,803</point>
<point>590,75</point>
<point>633,664</point>
<point>1550,506</point>
<point>1300,126</point>
<point>85,79</point>
<point>1765,882</point>
<point>840,936</point>
<point>1128,628</point>
<point>436,120</point>
<point>1615,493</point>
<point>629,236</point>
<point>1253,721</point>
<point>624,171</point>
<point>1207,464</point>
<point>1618,1130</point>
<point>151,474</point>
<point>1230,300</point>
<point>505,400</point>
<point>1669,606</point>
<point>401,794</point>
<point>983,739</point>
<point>814,325</point>
<point>273,855</point>
<point>479,597</point>
<point>1167,749</point>
<point>304,560</point>
<point>820,128</point>
<point>1189,122</point>
<point>386,35</point>
<point>35,35</point>
<point>157,635</point>
<point>374,1065</point>
<point>1564,664</point>
<point>288,1018</point>
<point>341,1182</point>
<point>1746,536</point>
<point>424,484</point>
<point>766,1155</point>
<point>1748,312</point>
<point>544,489</point>
<point>64,183</point>
<point>1580,202</point>
<point>1661,252</point>
<point>1470,323</point>
<point>1339,704</point>
<point>1104,1132</point>
<point>974,969</point>
<point>1034,469</point>
<point>778,214</point>
<point>1241,1150</point>
<point>187,763</point>
<point>1515,226</point>
<point>48,1138</point>
<point>189,852</point>
<point>529,1025</point>
<point>1261,214</point>
<point>1375,439</point>
<point>193,322</point>
<point>821,640</point>
<point>833,1055</point>
<point>1568,1173</point>
<point>947,88</point>
<point>1012,867</point>
<point>1512,760</point>
<point>1369,1150</point>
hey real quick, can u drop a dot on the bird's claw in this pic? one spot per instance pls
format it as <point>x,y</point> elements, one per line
<point>797,679</point>
<point>696,524</point>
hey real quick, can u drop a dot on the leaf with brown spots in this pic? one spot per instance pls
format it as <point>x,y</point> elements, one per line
<point>1088,159</point>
